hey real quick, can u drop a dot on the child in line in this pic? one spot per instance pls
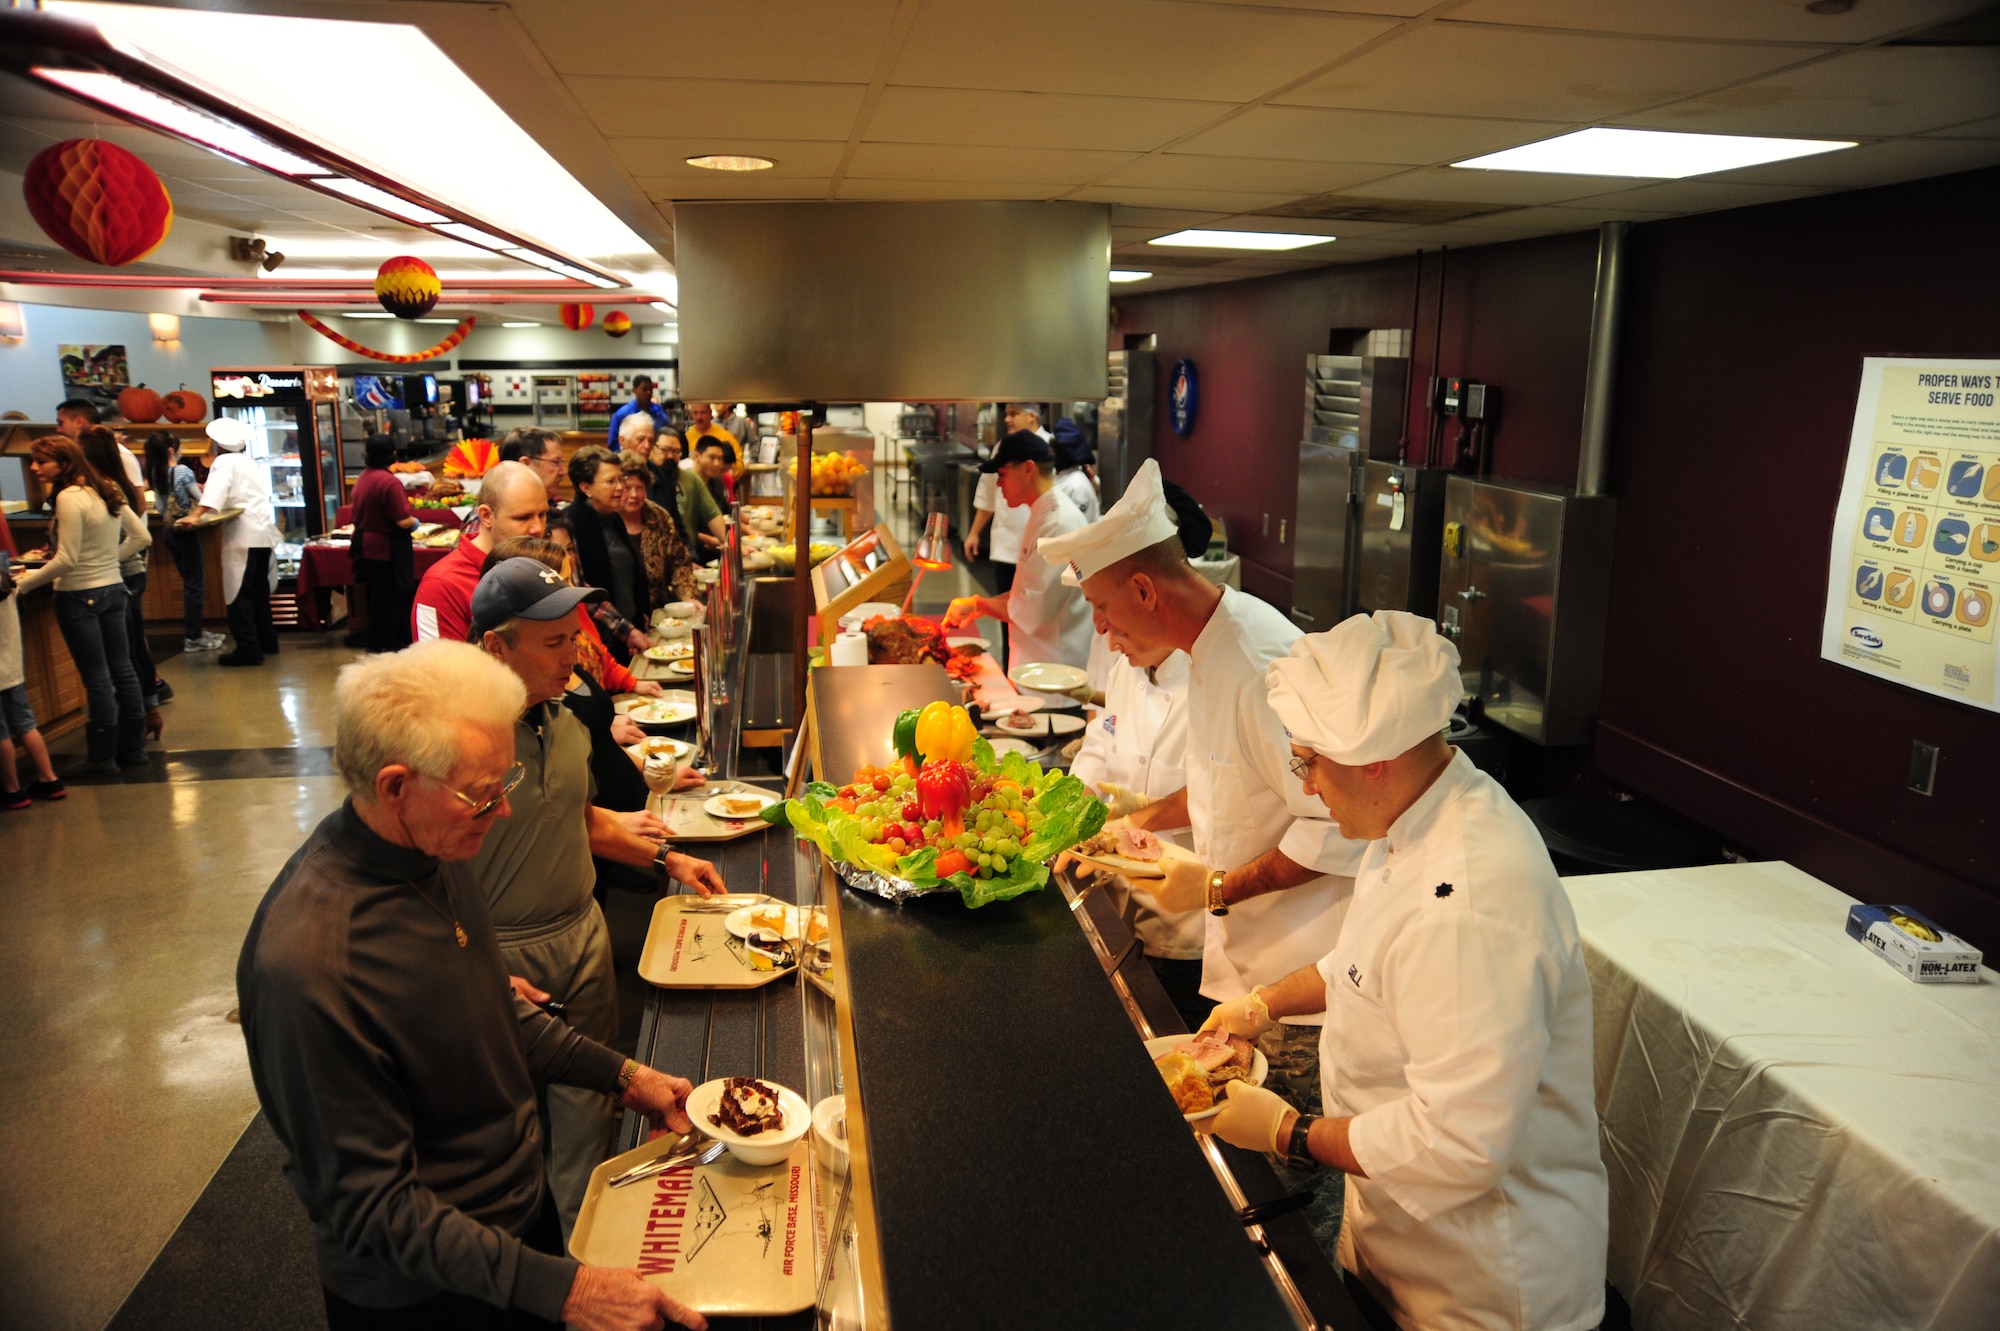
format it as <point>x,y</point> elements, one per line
<point>17,717</point>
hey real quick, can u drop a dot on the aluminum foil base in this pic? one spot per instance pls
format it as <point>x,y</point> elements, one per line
<point>883,885</point>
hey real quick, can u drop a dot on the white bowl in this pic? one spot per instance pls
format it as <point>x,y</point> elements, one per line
<point>1260,1068</point>
<point>766,1148</point>
<point>682,609</point>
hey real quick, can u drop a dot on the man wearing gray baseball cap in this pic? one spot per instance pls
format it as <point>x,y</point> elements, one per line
<point>534,866</point>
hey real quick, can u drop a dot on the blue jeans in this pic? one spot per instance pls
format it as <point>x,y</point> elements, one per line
<point>93,627</point>
<point>185,546</point>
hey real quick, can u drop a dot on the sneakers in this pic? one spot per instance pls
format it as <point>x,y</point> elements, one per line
<point>207,642</point>
<point>12,801</point>
<point>47,790</point>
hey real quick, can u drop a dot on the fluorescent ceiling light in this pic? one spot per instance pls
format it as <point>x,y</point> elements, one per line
<point>389,77</point>
<point>367,314</point>
<point>728,162</point>
<point>1241,240</point>
<point>380,199</point>
<point>472,235</point>
<point>114,93</point>
<point>295,274</point>
<point>1129,275</point>
<point>521,323</point>
<point>371,249</point>
<point>1651,154</point>
<point>664,308</point>
<point>558,266</point>
<point>433,321</point>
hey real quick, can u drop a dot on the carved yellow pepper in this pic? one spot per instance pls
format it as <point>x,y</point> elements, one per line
<point>945,733</point>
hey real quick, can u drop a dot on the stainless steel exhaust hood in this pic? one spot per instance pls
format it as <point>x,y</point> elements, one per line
<point>893,302</point>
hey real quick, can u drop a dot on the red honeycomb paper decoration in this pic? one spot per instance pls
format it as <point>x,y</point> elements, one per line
<point>98,201</point>
<point>576,318</point>
<point>407,287</point>
<point>617,323</point>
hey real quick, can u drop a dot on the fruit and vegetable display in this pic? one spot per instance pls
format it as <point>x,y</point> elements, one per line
<point>948,813</point>
<point>785,557</point>
<point>835,473</point>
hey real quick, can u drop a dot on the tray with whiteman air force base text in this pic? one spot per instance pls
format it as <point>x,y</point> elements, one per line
<point>689,946</point>
<point>696,814</point>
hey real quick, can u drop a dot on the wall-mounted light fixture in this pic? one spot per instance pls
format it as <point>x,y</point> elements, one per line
<point>166,327</point>
<point>12,327</point>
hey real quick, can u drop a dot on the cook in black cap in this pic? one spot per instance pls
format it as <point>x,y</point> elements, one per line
<point>1020,446</point>
<point>1047,621</point>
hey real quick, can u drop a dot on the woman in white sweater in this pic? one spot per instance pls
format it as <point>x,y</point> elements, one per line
<point>94,529</point>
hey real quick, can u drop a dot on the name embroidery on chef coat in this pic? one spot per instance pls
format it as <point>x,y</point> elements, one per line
<point>1444,889</point>
<point>1110,724</point>
<point>1354,974</point>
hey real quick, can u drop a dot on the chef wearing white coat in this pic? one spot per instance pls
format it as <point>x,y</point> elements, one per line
<point>1456,1058</point>
<point>235,480</point>
<point>1047,619</point>
<point>997,525</point>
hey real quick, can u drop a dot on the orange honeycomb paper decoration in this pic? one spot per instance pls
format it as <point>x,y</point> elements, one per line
<point>98,201</point>
<point>407,287</point>
<point>576,318</point>
<point>617,323</point>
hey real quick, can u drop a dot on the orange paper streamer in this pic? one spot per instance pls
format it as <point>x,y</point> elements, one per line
<point>457,336</point>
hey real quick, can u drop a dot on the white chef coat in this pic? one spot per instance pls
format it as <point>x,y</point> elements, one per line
<point>1458,1037</point>
<point>1243,800</point>
<point>236,480</point>
<point>1046,621</point>
<point>1081,493</point>
<point>1003,538</point>
<point>1138,740</point>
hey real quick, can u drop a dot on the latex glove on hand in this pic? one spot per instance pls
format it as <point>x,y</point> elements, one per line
<point>1120,802</point>
<point>1247,1016</point>
<point>1185,886</point>
<point>1251,1117</point>
<point>962,611</point>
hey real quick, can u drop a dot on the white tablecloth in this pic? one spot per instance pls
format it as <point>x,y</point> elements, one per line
<point>1797,1136</point>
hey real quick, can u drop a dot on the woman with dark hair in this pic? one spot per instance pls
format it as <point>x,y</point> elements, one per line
<point>106,458</point>
<point>94,529</point>
<point>606,556</point>
<point>178,495</point>
<point>385,563</point>
<point>664,556</point>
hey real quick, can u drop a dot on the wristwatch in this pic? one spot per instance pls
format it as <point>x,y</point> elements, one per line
<point>626,1073</point>
<point>1297,1153</point>
<point>1216,903</point>
<point>660,858</point>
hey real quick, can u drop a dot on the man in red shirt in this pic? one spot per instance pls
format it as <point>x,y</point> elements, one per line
<point>512,502</point>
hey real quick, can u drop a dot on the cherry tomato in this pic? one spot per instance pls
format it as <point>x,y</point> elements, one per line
<point>913,812</point>
<point>882,783</point>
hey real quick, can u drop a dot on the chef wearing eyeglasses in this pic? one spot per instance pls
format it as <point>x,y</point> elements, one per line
<point>1455,1062</point>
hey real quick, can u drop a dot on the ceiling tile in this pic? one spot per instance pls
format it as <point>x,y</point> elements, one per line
<point>852,187</point>
<point>1303,133</point>
<point>1883,163</point>
<point>1700,196</point>
<point>835,43</point>
<point>668,157</point>
<point>692,108</point>
<point>1582,216</point>
<point>1885,91</point>
<point>1464,233</point>
<point>1180,170</point>
<point>1988,128</point>
<point>919,161</point>
<point>1472,71</point>
<point>1719,19</point>
<point>1164,219</point>
<point>1123,48</point>
<point>734,185</point>
<point>1216,201</point>
<point>1034,119</point>
<point>1522,187</point>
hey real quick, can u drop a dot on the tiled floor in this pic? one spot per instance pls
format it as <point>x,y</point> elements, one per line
<point>122,1078</point>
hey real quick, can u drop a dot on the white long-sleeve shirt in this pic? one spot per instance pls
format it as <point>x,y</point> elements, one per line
<point>1243,800</point>
<point>1003,538</point>
<point>1046,619</point>
<point>1138,740</point>
<point>90,543</point>
<point>1458,1037</point>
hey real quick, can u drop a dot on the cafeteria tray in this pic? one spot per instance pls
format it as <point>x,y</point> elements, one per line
<point>728,1239</point>
<point>681,811</point>
<point>693,949</point>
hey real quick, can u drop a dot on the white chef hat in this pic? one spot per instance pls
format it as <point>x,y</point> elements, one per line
<point>1367,689</point>
<point>1141,517</point>
<point>228,434</point>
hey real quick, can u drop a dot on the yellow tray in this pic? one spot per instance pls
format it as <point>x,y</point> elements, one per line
<point>693,950</point>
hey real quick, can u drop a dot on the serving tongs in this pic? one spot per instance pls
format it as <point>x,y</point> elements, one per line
<point>706,1152</point>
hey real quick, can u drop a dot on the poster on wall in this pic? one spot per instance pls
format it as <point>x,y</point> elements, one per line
<point>1916,540</point>
<point>97,374</point>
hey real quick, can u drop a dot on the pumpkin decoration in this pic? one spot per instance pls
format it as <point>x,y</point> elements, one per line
<point>98,201</point>
<point>141,405</point>
<point>184,408</point>
<point>407,287</point>
<point>576,318</point>
<point>617,323</point>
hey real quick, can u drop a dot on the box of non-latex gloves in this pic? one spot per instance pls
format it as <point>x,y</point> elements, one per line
<point>1914,945</point>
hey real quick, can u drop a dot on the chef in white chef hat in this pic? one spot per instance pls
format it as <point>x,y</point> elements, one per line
<point>249,574</point>
<point>1455,1059</point>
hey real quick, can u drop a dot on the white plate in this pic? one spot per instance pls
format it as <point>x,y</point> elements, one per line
<point>685,669</point>
<point>1055,723</point>
<point>674,748</point>
<point>714,807</point>
<point>1048,676</point>
<point>661,712</point>
<point>766,1148</point>
<point>1260,1067</point>
<point>683,609</point>
<point>966,642</point>
<point>1005,744</point>
<point>679,650</point>
<point>1006,703</point>
<point>738,921</point>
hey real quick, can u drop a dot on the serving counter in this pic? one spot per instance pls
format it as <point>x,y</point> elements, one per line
<point>1013,1158</point>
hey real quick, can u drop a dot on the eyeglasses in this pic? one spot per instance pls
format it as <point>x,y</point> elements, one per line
<point>1301,767</point>
<point>555,462</point>
<point>507,783</point>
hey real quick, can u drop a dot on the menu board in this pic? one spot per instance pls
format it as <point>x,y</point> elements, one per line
<point>1916,540</point>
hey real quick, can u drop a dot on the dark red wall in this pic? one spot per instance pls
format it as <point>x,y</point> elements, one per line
<point>1743,340</point>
